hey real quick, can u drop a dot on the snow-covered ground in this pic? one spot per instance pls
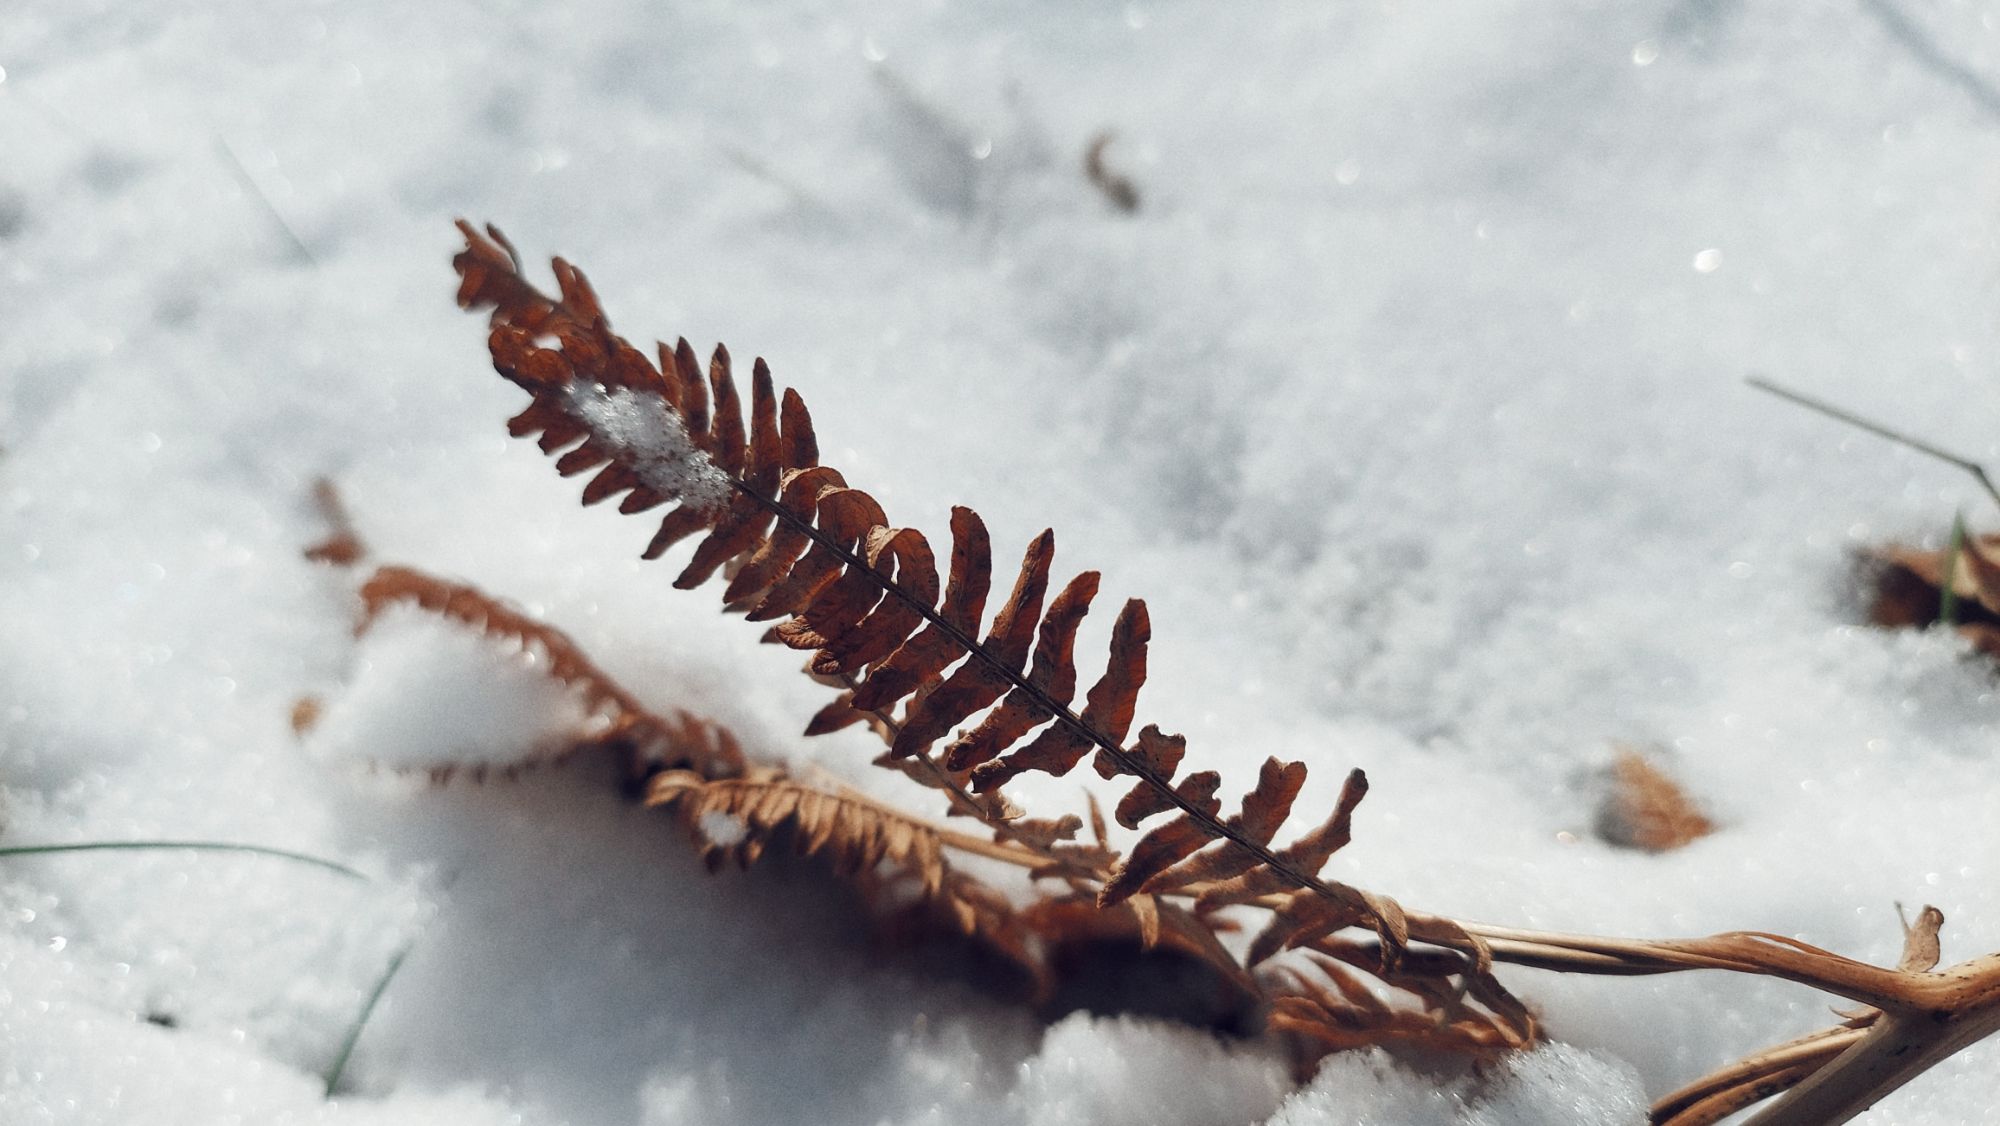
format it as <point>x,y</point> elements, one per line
<point>1411,399</point>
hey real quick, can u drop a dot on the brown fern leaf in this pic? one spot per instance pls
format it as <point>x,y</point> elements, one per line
<point>1143,956</point>
<point>650,741</point>
<point>737,819</point>
<point>805,547</point>
<point>1341,1011</point>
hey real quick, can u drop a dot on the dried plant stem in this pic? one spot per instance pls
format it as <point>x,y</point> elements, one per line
<point>1754,1078</point>
<point>346,1052</point>
<point>182,846</point>
<point>1925,1016</point>
<point>1939,1014</point>
<point>1977,470</point>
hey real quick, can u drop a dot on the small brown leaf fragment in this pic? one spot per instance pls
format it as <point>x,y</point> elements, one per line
<point>1041,833</point>
<point>675,527</point>
<point>582,459</point>
<point>306,711</point>
<point>1108,708</point>
<point>1647,810</point>
<point>534,369</point>
<point>738,533</point>
<point>1920,941</point>
<point>1162,755</point>
<point>489,274</point>
<point>1167,845</point>
<point>765,457</point>
<point>609,482</point>
<point>837,714</point>
<point>640,499</point>
<point>1908,584</point>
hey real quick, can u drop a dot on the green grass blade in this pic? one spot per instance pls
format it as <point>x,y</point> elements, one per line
<point>197,846</point>
<point>1948,586</point>
<point>339,1067</point>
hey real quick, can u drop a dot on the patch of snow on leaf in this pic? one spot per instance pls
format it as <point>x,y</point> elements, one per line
<point>649,437</point>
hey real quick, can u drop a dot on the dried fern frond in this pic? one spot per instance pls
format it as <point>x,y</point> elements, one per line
<point>736,818</point>
<point>872,845</point>
<point>798,546</point>
<point>649,741</point>
<point>696,769</point>
<point>802,546</point>
<point>1144,956</point>
<point>1335,1008</point>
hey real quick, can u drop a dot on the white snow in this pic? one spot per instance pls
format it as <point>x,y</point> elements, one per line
<point>1411,399</point>
<point>652,442</point>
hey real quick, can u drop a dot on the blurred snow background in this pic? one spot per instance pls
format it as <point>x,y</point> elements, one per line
<point>1411,398</point>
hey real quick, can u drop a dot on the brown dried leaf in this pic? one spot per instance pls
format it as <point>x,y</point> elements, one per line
<point>1920,941</point>
<point>1646,810</point>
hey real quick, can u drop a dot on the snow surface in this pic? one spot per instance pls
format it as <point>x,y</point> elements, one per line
<point>650,438</point>
<point>1411,399</point>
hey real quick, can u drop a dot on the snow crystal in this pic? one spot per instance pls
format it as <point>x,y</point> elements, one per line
<point>651,439</point>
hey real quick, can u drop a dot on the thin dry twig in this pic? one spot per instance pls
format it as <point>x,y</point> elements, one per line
<point>1977,470</point>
